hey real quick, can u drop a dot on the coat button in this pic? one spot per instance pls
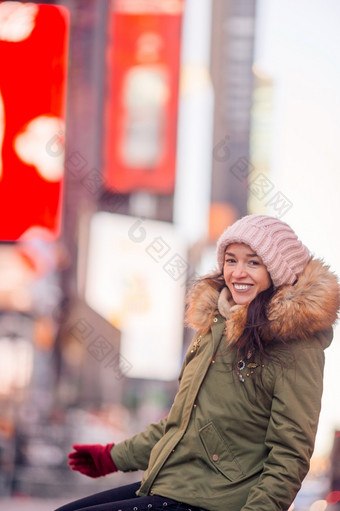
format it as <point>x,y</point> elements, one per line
<point>215,320</point>
<point>215,457</point>
<point>195,405</point>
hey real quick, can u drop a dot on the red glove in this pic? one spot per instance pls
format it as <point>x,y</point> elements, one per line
<point>92,460</point>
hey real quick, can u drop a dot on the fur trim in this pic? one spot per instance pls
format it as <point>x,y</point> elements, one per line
<point>310,306</point>
<point>295,311</point>
<point>225,302</point>
<point>202,306</point>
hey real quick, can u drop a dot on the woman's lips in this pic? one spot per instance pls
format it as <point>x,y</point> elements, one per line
<point>242,287</point>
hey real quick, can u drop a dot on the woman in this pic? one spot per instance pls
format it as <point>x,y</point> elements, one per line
<point>240,433</point>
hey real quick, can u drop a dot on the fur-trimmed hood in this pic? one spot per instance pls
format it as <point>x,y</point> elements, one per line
<point>294,312</point>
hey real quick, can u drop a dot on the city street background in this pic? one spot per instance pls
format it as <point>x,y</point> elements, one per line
<point>132,133</point>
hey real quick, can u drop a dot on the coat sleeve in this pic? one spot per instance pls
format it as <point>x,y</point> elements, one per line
<point>134,453</point>
<point>291,431</point>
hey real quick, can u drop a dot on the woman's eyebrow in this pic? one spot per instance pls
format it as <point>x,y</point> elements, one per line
<point>247,255</point>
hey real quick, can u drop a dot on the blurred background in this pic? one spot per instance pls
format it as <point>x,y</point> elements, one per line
<point>132,133</point>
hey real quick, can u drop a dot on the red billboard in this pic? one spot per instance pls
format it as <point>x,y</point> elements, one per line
<point>142,103</point>
<point>33,54</point>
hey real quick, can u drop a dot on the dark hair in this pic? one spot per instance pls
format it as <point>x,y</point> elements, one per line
<point>251,346</point>
<point>250,341</point>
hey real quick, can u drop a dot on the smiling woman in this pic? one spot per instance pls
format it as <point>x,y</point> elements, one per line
<point>241,430</point>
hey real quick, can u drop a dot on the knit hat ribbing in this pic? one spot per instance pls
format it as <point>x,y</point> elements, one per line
<point>283,254</point>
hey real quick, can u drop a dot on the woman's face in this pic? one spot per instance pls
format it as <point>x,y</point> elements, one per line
<point>244,273</point>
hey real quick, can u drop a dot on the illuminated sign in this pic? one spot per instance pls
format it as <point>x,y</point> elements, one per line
<point>33,56</point>
<point>140,147</point>
<point>136,280</point>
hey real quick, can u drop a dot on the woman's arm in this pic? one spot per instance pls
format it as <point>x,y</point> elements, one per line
<point>291,431</point>
<point>134,453</point>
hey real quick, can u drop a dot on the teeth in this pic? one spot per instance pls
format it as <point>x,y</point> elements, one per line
<point>241,286</point>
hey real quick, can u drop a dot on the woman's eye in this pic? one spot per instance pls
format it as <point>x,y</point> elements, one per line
<point>254,263</point>
<point>230,260</point>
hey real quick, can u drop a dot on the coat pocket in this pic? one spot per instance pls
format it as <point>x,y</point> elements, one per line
<point>219,452</point>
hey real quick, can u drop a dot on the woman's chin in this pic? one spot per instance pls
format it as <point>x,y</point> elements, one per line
<point>240,299</point>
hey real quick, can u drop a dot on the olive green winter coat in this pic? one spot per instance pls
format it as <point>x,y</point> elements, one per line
<point>241,442</point>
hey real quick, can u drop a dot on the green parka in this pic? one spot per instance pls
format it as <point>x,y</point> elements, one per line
<point>241,442</point>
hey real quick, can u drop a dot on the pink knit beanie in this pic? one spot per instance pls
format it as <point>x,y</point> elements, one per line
<point>284,256</point>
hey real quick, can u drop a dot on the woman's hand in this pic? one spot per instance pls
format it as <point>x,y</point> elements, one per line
<point>92,460</point>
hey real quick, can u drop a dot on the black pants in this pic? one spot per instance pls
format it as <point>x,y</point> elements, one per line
<point>124,499</point>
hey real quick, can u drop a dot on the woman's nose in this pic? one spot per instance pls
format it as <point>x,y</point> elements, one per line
<point>239,271</point>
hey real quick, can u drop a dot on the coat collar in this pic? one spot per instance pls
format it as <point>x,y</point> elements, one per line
<point>294,312</point>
